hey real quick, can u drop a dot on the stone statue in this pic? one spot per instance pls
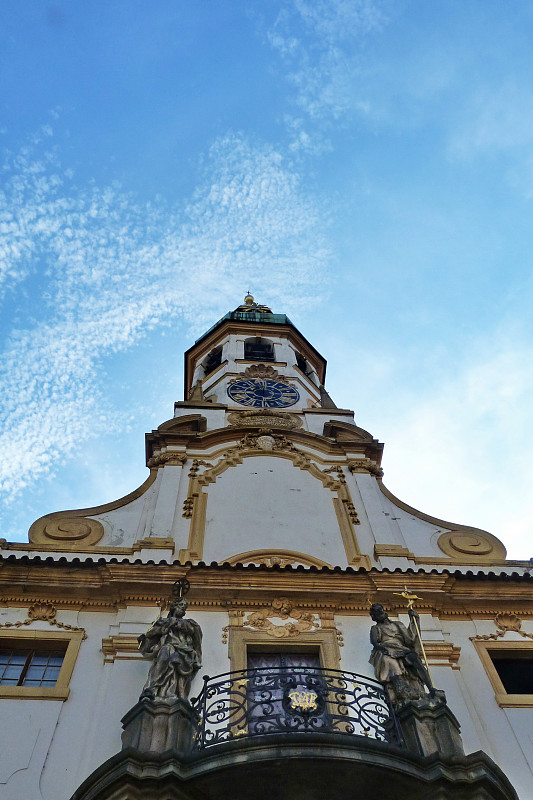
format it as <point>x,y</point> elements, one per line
<point>175,644</point>
<point>396,657</point>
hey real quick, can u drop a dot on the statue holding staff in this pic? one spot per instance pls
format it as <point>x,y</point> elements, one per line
<point>396,656</point>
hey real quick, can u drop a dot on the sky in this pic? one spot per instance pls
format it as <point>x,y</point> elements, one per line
<point>363,166</point>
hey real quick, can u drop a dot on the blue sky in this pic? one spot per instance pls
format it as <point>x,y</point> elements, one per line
<point>365,166</point>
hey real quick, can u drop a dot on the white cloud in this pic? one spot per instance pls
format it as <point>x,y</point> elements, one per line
<point>106,268</point>
<point>319,41</point>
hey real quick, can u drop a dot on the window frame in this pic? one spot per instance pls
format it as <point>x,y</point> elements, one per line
<point>49,639</point>
<point>484,649</point>
<point>241,640</point>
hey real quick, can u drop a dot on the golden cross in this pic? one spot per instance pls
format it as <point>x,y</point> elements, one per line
<point>406,594</point>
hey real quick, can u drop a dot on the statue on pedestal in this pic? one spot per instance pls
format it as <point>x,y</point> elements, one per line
<point>396,657</point>
<point>175,644</point>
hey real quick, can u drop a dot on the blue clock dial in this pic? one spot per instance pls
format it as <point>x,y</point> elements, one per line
<point>263,393</point>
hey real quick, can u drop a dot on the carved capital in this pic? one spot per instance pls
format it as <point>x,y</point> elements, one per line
<point>167,459</point>
<point>365,465</point>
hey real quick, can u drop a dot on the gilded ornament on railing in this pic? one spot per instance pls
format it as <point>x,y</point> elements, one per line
<point>266,701</point>
<point>303,700</point>
<point>65,530</point>
<point>298,621</point>
<point>45,612</point>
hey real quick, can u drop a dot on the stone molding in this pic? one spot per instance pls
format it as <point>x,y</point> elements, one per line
<point>506,622</point>
<point>45,612</point>
<point>267,442</point>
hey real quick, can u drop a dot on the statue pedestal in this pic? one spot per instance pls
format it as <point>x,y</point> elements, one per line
<point>428,726</point>
<point>155,726</point>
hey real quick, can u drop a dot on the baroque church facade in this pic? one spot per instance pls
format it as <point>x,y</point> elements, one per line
<point>265,538</point>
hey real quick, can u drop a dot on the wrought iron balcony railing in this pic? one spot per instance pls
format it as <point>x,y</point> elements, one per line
<point>266,700</point>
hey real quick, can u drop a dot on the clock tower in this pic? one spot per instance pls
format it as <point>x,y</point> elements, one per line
<point>265,505</point>
<point>255,359</point>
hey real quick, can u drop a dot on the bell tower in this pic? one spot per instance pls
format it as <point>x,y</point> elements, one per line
<point>253,358</point>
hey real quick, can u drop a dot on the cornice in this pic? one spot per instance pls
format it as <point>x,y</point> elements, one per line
<point>105,586</point>
<point>269,330</point>
<point>493,552</point>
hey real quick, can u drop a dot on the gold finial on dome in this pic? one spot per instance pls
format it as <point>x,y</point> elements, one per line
<point>249,300</point>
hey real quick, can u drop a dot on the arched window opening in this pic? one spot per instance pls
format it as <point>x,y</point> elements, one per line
<point>302,364</point>
<point>213,360</point>
<point>257,349</point>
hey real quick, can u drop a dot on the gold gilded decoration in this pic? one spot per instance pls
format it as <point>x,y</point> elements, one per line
<point>471,545</point>
<point>505,622</point>
<point>264,417</point>
<point>66,530</point>
<point>273,558</point>
<point>188,505</point>
<point>392,551</point>
<point>195,466</point>
<point>303,699</point>
<point>45,612</point>
<point>365,465</point>
<point>262,371</point>
<point>298,621</point>
<point>352,513</point>
<point>267,441</point>
<point>167,459</point>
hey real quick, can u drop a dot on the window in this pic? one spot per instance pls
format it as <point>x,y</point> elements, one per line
<point>272,678</point>
<point>515,670</point>
<point>213,360</point>
<point>257,349</point>
<point>30,667</point>
<point>509,666</point>
<point>37,664</point>
<point>301,363</point>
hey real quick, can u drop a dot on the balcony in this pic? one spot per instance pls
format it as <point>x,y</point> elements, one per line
<point>292,734</point>
<point>306,700</point>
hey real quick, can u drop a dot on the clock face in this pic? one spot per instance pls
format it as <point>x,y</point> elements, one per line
<point>263,393</point>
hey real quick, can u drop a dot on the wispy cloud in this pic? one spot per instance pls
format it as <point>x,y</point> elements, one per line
<point>108,268</point>
<point>319,42</point>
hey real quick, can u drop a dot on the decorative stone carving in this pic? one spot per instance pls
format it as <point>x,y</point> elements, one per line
<point>66,531</point>
<point>264,417</point>
<point>282,608</point>
<point>188,506</point>
<point>465,544</point>
<point>45,612</point>
<point>266,440</point>
<point>195,466</point>
<point>175,644</point>
<point>365,465</point>
<point>505,622</point>
<point>273,558</point>
<point>167,459</point>
<point>262,371</point>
